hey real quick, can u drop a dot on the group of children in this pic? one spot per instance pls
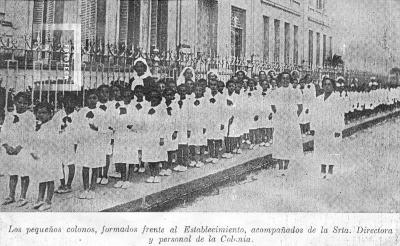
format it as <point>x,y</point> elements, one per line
<point>164,127</point>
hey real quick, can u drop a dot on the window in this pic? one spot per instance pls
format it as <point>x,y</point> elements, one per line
<point>287,43</point>
<point>159,24</point>
<point>238,32</point>
<point>310,47</point>
<point>207,27</point>
<point>320,4</point>
<point>277,41</point>
<point>324,49</point>
<point>296,45</point>
<point>129,22</point>
<point>266,38</point>
<point>318,53</point>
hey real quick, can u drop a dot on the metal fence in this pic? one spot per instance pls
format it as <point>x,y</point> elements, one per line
<point>45,70</point>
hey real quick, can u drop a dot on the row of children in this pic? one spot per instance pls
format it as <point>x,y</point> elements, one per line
<point>164,125</point>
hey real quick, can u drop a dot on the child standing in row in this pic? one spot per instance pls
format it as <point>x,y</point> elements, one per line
<point>106,109</point>
<point>197,127</point>
<point>15,136</point>
<point>171,120</point>
<point>67,122</point>
<point>126,151</point>
<point>182,116</point>
<point>154,150</point>
<point>91,146</point>
<point>45,151</point>
<point>216,123</point>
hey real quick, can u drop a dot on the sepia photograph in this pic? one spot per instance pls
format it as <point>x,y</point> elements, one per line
<point>248,106</point>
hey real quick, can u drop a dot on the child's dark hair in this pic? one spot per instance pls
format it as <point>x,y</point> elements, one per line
<point>153,93</point>
<point>45,105</point>
<point>201,81</point>
<point>230,82</point>
<point>70,97</point>
<point>138,87</point>
<point>280,76</point>
<point>101,87</point>
<point>126,90</point>
<point>23,95</point>
<point>168,90</point>
<point>90,92</point>
<point>252,80</point>
<point>332,82</point>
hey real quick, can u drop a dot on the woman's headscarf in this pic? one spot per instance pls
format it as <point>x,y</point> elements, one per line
<point>212,71</point>
<point>181,79</point>
<point>138,80</point>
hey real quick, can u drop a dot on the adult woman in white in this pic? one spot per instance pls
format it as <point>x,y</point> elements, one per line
<point>287,105</point>
<point>141,74</point>
<point>328,124</point>
<point>187,74</point>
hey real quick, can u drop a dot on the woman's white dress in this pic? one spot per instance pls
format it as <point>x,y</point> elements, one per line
<point>287,135</point>
<point>328,119</point>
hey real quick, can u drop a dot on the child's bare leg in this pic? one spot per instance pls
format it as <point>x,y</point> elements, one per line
<point>24,186</point>
<point>12,186</point>
<point>95,175</point>
<point>50,191</point>
<point>85,178</point>
<point>71,175</point>
<point>42,191</point>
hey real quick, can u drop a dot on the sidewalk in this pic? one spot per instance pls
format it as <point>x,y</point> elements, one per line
<point>156,197</point>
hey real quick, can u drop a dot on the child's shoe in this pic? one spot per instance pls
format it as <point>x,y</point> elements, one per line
<point>22,202</point>
<point>126,185</point>
<point>239,151</point>
<point>104,181</point>
<point>157,179</point>
<point>98,180</point>
<point>38,204</point>
<point>118,184</point>
<point>150,179</point>
<point>44,207</point>
<point>199,164</point>
<point>60,190</point>
<point>142,170</point>
<point>168,172</point>
<point>192,164</point>
<point>8,200</point>
<point>83,194</point>
<point>90,195</point>
<point>162,172</point>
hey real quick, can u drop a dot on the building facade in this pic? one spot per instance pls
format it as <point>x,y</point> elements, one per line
<point>288,32</point>
<point>281,31</point>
